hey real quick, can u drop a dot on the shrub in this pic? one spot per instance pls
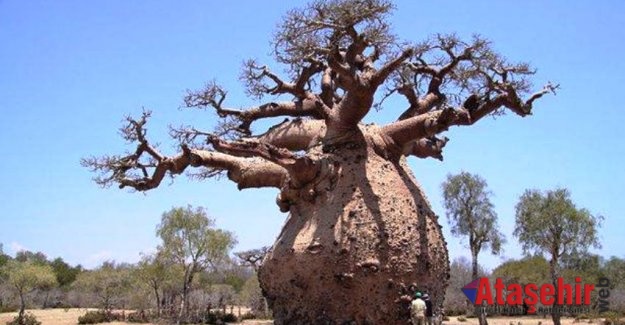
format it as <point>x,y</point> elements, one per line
<point>138,317</point>
<point>99,316</point>
<point>92,317</point>
<point>229,318</point>
<point>29,319</point>
<point>248,315</point>
<point>9,308</point>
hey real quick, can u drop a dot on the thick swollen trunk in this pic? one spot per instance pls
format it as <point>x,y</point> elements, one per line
<point>358,247</point>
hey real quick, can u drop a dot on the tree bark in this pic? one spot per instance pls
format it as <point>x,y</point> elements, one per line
<point>20,315</point>
<point>158,301</point>
<point>481,315</point>
<point>553,270</point>
<point>351,251</point>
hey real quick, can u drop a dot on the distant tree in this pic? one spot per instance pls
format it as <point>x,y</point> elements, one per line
<point>109,283</point>
<point>585,265</point>
<point>252,296</point>
<point>190,241</point>
<point>253,257</point>
<point>460,273</point>
<point>4,258</point>
<point>28,256</point>
<point>471,214</point>
<point>155,271</point>
<point>25,277</point>
<point>549,223</point>
<point>65,273</point>
<point>530,269</point>
<point>614,269</point>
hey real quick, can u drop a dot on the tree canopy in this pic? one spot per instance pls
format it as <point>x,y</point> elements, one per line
<point>549,222</point>
<point>339,55</point>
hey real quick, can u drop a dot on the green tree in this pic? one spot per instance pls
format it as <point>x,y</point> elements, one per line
<point>25,277</point>
<point>530,269</point>
<point>155,271</point>
<point>4,258</point>
<point>65,274</point>
<point>34,257</point>
<point>472,215</point>
<point>460,273</point>
<point>549,223</point>
<point>190,241</point>
<point>109,283</point>
<point>614,269</point>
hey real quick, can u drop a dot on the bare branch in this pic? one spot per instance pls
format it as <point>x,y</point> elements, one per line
<point>213,96</point>
<point>380,76</point>
<point>429,124</point>
<point>145,173</point>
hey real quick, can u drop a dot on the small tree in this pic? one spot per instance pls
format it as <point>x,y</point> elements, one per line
<point>471,214</point>
<point>109,284</point>
<point>65,274</point>
<point>460,273</point>
<point>549,223</point>
<point>155,271</point>
<point>530,269</point>
<point>25,277</point>
<point>190,241</point>
<point>253,257</point>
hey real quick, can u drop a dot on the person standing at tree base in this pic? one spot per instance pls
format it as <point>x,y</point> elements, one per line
<point>429,313</point>
<point>417,310</point>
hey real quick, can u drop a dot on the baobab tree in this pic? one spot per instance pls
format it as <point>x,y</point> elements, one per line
<point>360,232</point>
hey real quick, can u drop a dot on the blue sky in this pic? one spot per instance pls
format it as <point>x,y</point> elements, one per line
<point>70,71</point>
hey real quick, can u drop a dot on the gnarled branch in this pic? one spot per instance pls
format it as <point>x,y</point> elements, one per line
<point>427,125</point>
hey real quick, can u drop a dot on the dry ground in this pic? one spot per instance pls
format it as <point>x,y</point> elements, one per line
<point>525,320</point>
<point>69,317</point>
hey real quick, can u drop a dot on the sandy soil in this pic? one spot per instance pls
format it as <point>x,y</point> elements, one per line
<point>525,320</point>
<point>69,317</point>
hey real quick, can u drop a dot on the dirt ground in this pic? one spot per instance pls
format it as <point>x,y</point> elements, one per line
<point>525,320</point>
<point>70,316</point>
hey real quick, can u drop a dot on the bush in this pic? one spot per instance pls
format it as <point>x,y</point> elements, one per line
<point>29,319</point>
<point>99,316</point>
<point>248,315</point>
<point>138,317</point>
<point>9,309</point>
<point>92,317</point>
<point>229,318</point>
<point>462,319</point>
<point>214,318</point>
